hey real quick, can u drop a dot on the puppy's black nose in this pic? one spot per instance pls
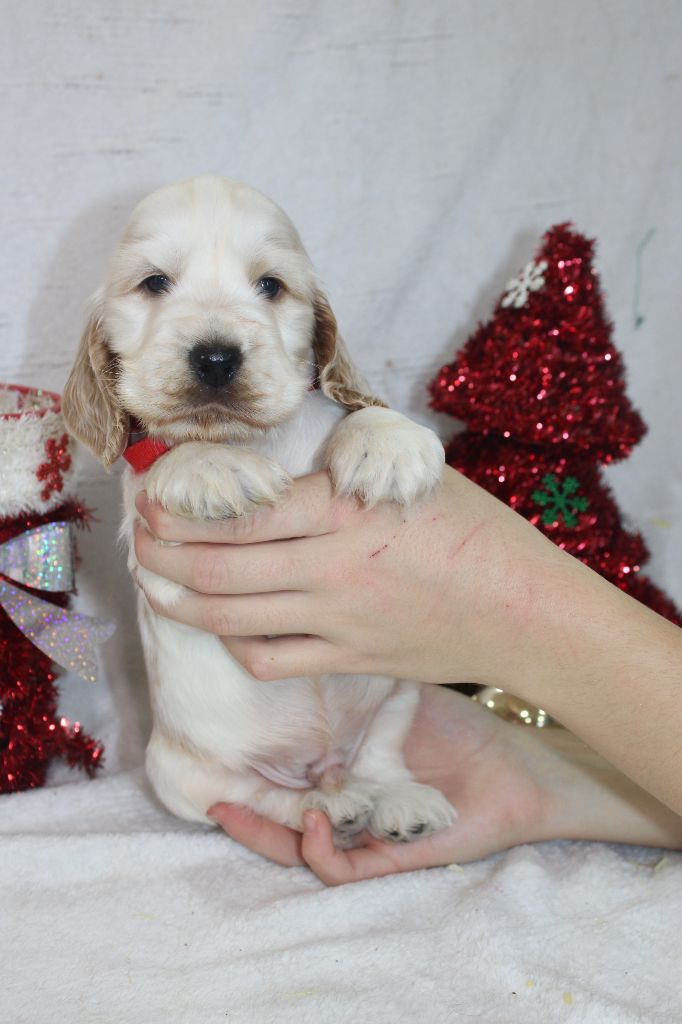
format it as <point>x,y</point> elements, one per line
<point>215,365</point>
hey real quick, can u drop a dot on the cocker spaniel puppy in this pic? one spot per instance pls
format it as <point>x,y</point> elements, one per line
<point>211,336</point>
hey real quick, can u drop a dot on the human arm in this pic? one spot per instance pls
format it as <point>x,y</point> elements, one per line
<point>457,589</point>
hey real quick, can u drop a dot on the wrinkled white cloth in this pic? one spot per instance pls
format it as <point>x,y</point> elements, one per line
<point>421,147</point>
<point>113,912</point>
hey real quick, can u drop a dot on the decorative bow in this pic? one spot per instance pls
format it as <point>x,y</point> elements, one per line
<point>43,560</point>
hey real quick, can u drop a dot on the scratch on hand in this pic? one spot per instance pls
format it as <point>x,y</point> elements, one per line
<point>462,543</point>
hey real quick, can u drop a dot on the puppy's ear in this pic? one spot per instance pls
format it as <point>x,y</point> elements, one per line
<point>90,405</point>
<point>337,376</point>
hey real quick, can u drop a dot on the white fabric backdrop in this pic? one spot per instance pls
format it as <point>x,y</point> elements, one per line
<point>421,148</point>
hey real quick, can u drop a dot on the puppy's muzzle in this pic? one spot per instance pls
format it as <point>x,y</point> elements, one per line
<point>214,365</point>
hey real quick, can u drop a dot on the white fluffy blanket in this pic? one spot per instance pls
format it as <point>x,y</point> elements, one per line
<point>114,913</point>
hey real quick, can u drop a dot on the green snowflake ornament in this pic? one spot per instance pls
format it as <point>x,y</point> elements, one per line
<point>560,499</point>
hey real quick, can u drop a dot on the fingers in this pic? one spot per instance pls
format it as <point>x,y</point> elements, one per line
<point>287,657</point>
<point>276,842</point>
<point>316,847</point>
<point>337,867</point>
<point>228,568</point>
<point>243,615</point>
<point>309,508</point>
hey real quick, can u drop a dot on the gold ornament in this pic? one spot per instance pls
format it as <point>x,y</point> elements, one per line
<point>514,709</point>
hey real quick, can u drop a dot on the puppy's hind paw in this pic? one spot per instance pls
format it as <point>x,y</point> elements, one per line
<point>348,810</point>
<point>409,811</point>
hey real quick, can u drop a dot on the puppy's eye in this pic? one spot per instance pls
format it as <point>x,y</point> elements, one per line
<point>269,286</point>
<point>156,283</point>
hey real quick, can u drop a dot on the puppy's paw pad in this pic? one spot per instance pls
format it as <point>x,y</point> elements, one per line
<point>380,455</point>
<point>210,481</point>
<point>410,811</point>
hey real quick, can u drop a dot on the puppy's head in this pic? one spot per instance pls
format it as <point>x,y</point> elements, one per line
<point>210,325</point>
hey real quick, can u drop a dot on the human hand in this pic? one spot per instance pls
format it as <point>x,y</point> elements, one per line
<point>388,591</point>
<point>455,746</point>
<point>511,785</point>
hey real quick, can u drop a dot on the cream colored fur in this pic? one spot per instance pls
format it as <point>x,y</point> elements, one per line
<point>219,734</point>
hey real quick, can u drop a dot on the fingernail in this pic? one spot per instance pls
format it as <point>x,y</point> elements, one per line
<point>309,822</point>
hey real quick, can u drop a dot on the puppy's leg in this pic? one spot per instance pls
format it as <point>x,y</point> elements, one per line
<point>201,481</point>
<point>381,455</point>
<point>188,785</point>
<point>403,809</point>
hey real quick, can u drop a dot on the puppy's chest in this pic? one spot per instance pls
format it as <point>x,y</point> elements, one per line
<point>299,444</point>
<point>290,731</point>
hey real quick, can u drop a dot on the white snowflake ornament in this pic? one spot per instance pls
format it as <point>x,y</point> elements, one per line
<point>529,280</point>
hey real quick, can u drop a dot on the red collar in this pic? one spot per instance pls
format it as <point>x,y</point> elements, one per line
<point>143,454</point>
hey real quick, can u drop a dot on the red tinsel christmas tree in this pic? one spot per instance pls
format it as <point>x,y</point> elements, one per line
<point>541,389</point>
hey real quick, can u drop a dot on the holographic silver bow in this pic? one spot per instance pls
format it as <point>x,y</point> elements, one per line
<point>43,560</point>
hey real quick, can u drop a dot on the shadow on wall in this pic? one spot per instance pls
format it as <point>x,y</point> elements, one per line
<point>55,323</point>
<point>57,315</point>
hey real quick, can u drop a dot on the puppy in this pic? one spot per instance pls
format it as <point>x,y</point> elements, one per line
<point>211,335</point>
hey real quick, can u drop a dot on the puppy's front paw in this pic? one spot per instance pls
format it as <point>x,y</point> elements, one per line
<point>381,455</point>
<point>409,811</point>
<point>214,481</point>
